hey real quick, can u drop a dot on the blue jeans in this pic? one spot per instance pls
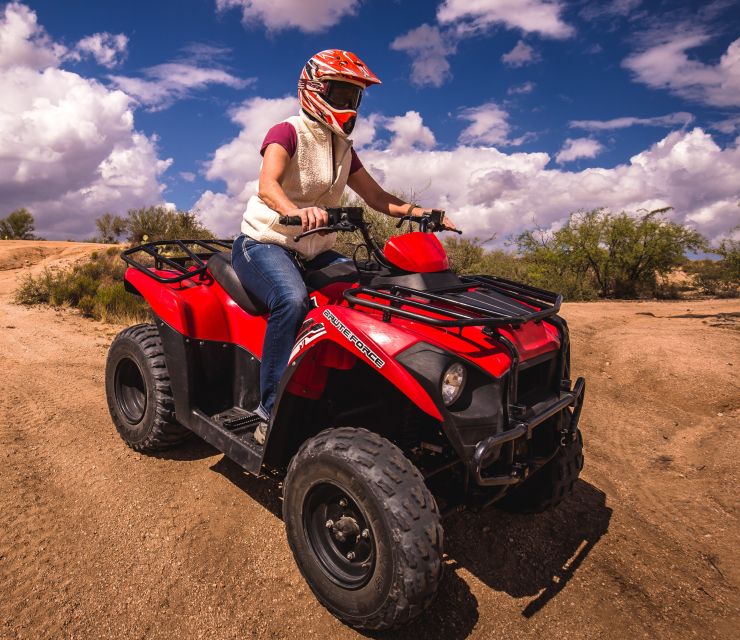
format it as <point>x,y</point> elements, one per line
<point>273,276</point>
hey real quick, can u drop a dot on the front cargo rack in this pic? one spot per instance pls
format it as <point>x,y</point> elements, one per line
<point>478,301</point>
<point>187,258</point>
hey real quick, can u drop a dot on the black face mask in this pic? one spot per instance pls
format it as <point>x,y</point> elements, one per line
<point>342,95</point>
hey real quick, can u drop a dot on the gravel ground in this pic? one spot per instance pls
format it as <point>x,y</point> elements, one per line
<point>97,541</point>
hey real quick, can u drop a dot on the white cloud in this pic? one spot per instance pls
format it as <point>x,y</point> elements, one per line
<point>409,131</point>
<point>520,55</point>
<point>188,176</point>
<point>608,9</point>
<point>365,130</point>
<point>526,87</point>
<point>487,191</point>
<point>488,125</point>
<point>23,42</point>
<point>680,118</point>
<point>531,16</point>
<point>666,65</point>
<point>727,125</point>
<point>164,84</point>
<point>68,147</point>
<point>107,49</point>
<point>575,148</point>
<point>276,15</point>
<point>429,50</point>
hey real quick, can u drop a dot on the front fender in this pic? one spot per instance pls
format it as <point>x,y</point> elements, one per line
<point>353,335</point>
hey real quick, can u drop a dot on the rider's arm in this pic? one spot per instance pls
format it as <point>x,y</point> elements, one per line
<point>363,184</point>
<point>274,163</point>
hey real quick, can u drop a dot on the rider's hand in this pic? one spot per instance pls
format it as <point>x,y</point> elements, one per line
<point>446,223</point>
<point>311,217</point>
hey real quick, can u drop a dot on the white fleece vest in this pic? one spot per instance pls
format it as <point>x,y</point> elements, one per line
<point>315,177</point>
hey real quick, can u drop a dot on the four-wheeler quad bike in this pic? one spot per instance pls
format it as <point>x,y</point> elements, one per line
<point>409,389</point>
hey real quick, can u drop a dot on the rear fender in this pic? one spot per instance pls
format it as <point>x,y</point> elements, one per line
<point>189,307</point>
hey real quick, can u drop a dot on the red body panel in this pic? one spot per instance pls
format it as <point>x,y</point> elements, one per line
<point>421,252</point>
<point>201,309</point>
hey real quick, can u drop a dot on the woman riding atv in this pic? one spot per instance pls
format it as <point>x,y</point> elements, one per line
<point>308,160</point>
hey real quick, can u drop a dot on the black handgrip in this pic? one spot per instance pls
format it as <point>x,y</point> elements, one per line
<point>291,221</point>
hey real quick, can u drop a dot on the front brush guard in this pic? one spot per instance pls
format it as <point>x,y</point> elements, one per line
<point>521,429</point>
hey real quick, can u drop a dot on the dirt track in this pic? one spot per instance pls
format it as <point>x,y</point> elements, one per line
<point>97,541</point>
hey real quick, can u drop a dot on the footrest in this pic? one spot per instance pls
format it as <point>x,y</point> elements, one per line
<point>244,421</point>
<point>237,419</point>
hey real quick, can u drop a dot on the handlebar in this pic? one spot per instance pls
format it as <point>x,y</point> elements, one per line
<point>432,221</point>
<point>351,219</point>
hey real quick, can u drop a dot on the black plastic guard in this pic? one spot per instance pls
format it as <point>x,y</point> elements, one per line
<point>479,413</point>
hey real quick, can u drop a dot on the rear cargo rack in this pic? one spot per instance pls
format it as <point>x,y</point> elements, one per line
<point>187,258</point>
<point>479,301</point>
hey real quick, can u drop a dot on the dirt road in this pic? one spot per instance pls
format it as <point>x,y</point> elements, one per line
<point>97,541</point>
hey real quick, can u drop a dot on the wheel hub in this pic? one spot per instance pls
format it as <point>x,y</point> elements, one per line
<point>130,390</point>
<point>337,530</point>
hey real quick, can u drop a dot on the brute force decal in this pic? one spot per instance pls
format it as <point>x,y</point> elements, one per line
<point>359,344</point>
<point>313,332</point>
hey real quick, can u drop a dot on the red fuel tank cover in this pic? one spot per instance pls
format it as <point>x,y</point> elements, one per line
<point>418,252</point>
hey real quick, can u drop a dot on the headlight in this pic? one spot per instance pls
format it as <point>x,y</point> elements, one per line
<point>453,382</point>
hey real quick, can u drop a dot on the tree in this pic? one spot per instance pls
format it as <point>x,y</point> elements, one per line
<point>621,254</point>
<point>159,223</point>
<point>110,228</point>
<point>17,226</point>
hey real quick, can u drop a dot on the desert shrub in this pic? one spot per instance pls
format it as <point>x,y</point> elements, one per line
<point>719,277</point>
<point>110,228</point>
<point>614,255</point>
<point>95,287</point>
<point>35,290</point>
<point>18,225</point>
<point>160,223</point>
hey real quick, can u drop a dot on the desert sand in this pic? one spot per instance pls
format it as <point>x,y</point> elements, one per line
<point>98,541</point>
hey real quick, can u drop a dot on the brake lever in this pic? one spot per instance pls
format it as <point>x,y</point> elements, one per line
<point>341,226</point>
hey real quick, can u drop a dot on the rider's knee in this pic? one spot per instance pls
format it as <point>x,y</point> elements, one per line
<point>291,302</point>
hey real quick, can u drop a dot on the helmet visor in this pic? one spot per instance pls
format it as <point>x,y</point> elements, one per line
<point>343,95</point>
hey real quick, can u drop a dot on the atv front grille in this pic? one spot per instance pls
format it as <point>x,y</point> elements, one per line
<point>478,301</point>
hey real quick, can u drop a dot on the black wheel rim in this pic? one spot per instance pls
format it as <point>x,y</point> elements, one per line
<point>130,391</point>
<point>338,532</point>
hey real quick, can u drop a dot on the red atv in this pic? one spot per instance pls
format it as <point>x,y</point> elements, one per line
<point>410,392</point>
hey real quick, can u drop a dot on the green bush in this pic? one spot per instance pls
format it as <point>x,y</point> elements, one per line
<point>612,255</point>
<point>17,226</point>
<point>159,223</point>
<point>95,287</point>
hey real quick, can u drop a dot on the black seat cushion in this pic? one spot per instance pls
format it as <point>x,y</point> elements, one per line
<point>339,272</point>
<point>219,266</point>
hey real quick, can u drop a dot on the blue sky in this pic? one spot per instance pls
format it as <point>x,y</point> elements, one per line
<point>519,111</point>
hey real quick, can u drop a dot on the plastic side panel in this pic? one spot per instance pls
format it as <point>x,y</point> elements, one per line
<point>421,252</point>
<point>245,330</point>
<point>202,310</point>
<point>363,338</point>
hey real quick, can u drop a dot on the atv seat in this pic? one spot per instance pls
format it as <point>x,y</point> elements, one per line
<point>219,266</point>
<point>338,272</point>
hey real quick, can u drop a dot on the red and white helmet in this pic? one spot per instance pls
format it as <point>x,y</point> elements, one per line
<point>330,88</point>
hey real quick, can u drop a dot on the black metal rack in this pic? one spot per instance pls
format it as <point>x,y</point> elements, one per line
<point>478,301</point>
<point>182,264</point>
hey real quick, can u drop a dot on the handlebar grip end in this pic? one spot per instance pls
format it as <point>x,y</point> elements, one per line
<point>292,221</point>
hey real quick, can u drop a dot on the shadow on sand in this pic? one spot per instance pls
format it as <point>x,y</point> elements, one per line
<point>525,556</point>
